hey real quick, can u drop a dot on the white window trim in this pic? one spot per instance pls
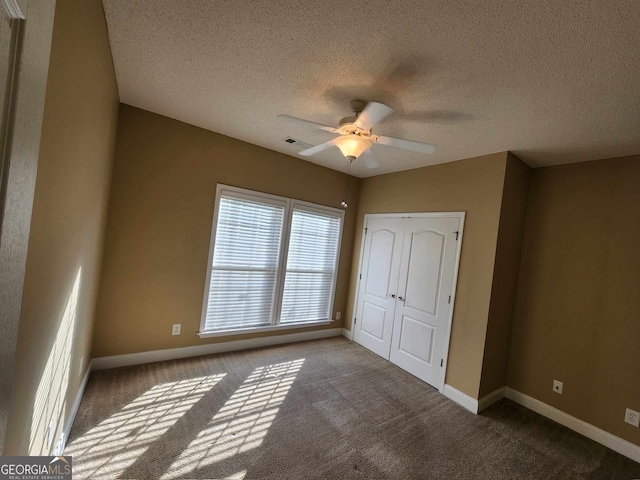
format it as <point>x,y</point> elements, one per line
<point>269,328</point>
<point>289,205</point>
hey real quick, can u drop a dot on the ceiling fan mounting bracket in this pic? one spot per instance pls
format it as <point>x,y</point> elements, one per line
<point>357,106</point>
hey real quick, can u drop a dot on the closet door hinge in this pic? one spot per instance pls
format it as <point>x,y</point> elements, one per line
<point>360,276</point>
<point>355,320</point>
<point>449,298</point>
<point>365,230</point>
<point>457,234</point>
<point>441,362</point>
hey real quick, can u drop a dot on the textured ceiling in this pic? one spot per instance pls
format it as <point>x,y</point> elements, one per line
<point>553,81</point>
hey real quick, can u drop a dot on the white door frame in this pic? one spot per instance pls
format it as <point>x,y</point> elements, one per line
<point>460,216</point>
<point>34,19</point>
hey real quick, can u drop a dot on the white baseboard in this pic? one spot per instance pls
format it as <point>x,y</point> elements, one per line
<point>460,398</point>
<point>347,333</point>
<point>74,410</point>
<point>607,439</point>
<point>102,363</point>
<point>491,398</point>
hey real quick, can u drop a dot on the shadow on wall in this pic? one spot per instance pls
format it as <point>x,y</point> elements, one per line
<point>50,400</point>
<point>152,433</point>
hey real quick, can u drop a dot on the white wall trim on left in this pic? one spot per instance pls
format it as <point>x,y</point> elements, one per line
<point>470,403</point>
<point>74,411</point>
<point>460,398</point>
<point>347,334</point>
<point>102,363</point>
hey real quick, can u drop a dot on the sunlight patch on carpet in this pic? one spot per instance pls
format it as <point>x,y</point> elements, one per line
<point>118,441</point>
<point>242,423</point>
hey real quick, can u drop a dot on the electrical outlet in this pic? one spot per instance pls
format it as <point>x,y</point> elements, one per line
<point>557,386</point>
<point>177,328</point>
<point>632,417</point>
<point>338,315</point>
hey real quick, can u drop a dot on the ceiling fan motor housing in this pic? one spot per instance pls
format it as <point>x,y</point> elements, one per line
<point>347,126</point>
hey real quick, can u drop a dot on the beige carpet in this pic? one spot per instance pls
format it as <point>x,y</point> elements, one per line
<point>321,409</point>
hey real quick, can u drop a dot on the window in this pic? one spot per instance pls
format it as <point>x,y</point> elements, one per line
<point>311,262</point>
<point>273,262</point>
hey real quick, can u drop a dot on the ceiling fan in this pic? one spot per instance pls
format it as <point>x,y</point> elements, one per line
<point>355,137</point>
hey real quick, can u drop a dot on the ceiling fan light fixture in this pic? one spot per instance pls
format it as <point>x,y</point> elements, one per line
<point>352,145</point>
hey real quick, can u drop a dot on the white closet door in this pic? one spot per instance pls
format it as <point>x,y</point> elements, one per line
<point>376,296</point>
<point>422,304</point>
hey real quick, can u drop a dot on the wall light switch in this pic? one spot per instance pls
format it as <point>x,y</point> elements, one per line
<point>557,387</point>
<point>177,328</point>
<point>338,315</point>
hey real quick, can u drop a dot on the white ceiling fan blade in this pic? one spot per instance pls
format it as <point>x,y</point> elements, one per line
<point>319,126</point>
<point>400,143</point>
<point>318,148</point>
<point>373,113</point>
<point>369,159</point>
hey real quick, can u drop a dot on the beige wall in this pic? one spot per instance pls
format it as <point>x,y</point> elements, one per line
<point>474,186</point>
<point>159,227</point>
<point>578,308</point>
<point>69,211</point>
<point>505,276</point>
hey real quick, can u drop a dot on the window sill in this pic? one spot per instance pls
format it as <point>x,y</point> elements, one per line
<point>266,328</point>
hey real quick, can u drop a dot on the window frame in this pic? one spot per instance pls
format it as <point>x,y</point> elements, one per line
<point>289,205</point>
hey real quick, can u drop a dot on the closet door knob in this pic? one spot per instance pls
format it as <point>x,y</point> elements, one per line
<point>400,298</point>
<point>392,295</point>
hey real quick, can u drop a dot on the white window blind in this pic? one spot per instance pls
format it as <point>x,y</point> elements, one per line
<point>244,272</point>
<point>311,266</point>
<point>273,261</point>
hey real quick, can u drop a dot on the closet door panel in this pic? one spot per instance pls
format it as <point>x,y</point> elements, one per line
<point>424,285</point>
<point>378,285</point>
